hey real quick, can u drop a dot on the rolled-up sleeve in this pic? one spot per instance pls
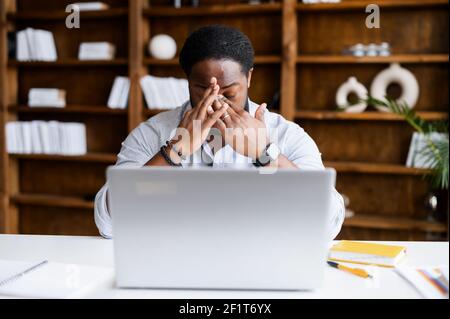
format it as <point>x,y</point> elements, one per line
<point>138,148</point>
<point>301,149</point>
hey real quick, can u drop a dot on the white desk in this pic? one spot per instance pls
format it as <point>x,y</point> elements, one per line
<point>338,284</point>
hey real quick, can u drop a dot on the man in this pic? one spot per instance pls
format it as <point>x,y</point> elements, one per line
<point>219,126</point>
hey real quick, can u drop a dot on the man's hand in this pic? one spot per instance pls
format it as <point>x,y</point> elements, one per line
<point>246,134</point>
<point>192,138</point>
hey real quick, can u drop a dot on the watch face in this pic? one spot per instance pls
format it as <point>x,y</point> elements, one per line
<point>273,152</point>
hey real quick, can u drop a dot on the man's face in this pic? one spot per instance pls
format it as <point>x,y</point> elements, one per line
<point>233,82</point>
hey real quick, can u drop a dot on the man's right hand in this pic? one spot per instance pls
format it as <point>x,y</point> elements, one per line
<point>197,122</point>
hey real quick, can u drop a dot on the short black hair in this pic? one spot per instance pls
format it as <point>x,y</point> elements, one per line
<point>217,42</point>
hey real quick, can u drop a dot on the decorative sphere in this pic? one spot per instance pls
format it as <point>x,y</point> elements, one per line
<point>163,47</point>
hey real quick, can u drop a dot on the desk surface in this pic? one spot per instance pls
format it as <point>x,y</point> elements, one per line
<point>337,284</point>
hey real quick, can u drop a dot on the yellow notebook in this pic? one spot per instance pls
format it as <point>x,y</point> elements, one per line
<point>367,253</point>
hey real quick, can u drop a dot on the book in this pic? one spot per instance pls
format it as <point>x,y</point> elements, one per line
<point>41,97</point>
<point>430,282</point>
<point>164,93</point>
<point>51,280</point>
<point>91,6</point>
<point>367,253</point>
<point>118,98</point>
<point>40,137</point>
<point>96,51</point>
<point>35,45</point>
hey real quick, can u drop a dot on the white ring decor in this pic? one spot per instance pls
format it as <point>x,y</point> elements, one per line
<point>163,47</point>
<point>351,86</point>
<point>395,74</point>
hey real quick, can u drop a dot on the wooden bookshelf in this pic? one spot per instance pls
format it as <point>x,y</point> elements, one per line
<point>393,224</point>
<point>69,62</point>
<point>365,116</point>
<point>399,58</point>
<point>298,53</point>
<point>61,14</point>
<point>69,109</point>
<point>213,10</point>
<point>357,4</point>
<point>52,201</point>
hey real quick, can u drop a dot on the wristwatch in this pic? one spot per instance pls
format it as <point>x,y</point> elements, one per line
<point>270,154</point>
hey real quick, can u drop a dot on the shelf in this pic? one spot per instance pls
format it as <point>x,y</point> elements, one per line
<point>91,157</point>
<point>59,14</point>
<point>212,10</point>
<point>357,4</point>
<point>348,59</point>
<point>375,168</point>
<point>71,109</point>
<point>259,59</point>
<point>69,62</point>
<point>52,201</point>
<point>392,223</point>
<point>365,116</point>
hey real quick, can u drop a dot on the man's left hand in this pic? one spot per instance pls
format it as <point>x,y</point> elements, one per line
<point>245,133</point>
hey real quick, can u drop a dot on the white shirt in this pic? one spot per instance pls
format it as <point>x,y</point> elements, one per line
<point>145,141</point>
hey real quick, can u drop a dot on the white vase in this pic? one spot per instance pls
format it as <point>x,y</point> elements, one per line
<point>403,77</point>
<point>351,86</point>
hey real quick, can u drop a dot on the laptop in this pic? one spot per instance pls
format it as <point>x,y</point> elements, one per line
<point>207,228</point>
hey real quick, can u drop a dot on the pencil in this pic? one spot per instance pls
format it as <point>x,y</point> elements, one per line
<point>355,271</point>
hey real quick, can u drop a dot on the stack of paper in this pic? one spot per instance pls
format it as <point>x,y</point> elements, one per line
<point>52,280</point>
<point>96,51</point>
<point>46,98</point>
<point>419,149</point>
<point>39,137</point>
<point>118,99</point>
<point>164,93</point>
<point>91,6</point>
<point>35,45</point>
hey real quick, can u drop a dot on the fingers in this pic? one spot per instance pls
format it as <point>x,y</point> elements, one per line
<point>206,104</point>
<point>216,116</point>
<point>235,108</point>
<point>201,113</point>
<point>207,93</point>
<point>259,114</point>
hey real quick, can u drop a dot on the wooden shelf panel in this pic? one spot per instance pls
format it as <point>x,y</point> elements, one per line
<point>391,223</point>
<point>69,62</point>
<point>52,201</point>
<point>261,59</point>
<point>356,5</point>
<point>375,168</point>
<point>58,15</point>
<point>212,10</point>
<point>347,59</point>
<point>70,109</point>
<point>90,157</point>
<point>365,116</point>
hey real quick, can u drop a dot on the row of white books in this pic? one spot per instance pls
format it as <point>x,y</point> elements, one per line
<point>118,99</point>
<point>39,97</point>
<point>164,93</point>
<point>96,51</point>
<point>35,45</point>
<point>418,149</point>
<point>40,137</point>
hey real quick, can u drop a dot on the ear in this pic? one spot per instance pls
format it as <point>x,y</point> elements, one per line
<point>249,77</point>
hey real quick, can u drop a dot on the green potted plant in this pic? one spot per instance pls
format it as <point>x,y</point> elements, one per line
<point>435,152</point>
